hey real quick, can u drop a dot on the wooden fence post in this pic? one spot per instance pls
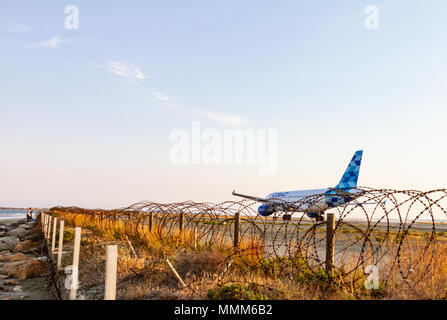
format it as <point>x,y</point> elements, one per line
<point>75,265</point>
<point>45,221</point>
<point>175,273</point>
<point>237,226</point>
<point>181,220</point>
<point>53,239</point>
<point>60,247</point>
<point>131,247</point>
<point>330,242</point>
<point>110,277</point>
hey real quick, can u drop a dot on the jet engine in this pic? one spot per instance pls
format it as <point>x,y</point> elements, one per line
<point>318,216</point>
<point>266,210</point>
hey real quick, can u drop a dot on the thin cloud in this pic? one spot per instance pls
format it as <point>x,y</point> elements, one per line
<point>51,44</point>
<point>168,100</point>
<point>122,69</point>
<point>222,118</point>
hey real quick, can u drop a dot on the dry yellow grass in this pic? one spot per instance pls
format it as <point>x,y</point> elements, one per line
<point>420,272</point>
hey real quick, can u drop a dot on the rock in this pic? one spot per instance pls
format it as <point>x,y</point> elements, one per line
<point>9,226</point>
<point>11,267</point>
<point>16,257</point>
<point>35,250</point>
<point>17,289</point>
<point>11,282</point>
<point>25,245</point>
<point>4,256</point>
<point>25,269</point>
<point>14,289</point>
<point>3,277</point>
<point>17,232</point>
<point>8,243</point>
<point>2,234</point>
<point>42,258</point>
<point>33,237</point>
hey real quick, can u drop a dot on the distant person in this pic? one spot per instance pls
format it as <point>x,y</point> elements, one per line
<point>29,215</point>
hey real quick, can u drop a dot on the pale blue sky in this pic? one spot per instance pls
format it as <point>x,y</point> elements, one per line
<point>75,131</point>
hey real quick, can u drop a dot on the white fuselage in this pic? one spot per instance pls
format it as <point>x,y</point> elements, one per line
<point>317,200</point>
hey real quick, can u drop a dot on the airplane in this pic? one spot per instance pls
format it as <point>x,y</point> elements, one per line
<point>313,202</point>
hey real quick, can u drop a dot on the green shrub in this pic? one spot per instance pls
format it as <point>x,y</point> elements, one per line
<point>381,237</point>
<point>236,292</point>
<point>378,293</point>
<point>348,230</point>
<point>68,235</point>
<point>269,267</point>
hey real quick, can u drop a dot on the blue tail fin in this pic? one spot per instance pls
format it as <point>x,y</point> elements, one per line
<point>351,175</point>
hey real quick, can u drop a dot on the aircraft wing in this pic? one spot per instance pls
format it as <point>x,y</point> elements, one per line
<point>353,203</point>
<point>248,197</point>
<point>362,203</point>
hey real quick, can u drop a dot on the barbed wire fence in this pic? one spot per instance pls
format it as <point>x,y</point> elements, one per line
<point>399,232</point>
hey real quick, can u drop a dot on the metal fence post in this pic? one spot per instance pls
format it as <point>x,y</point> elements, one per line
<point>237,225</point>
<point>330,242</point>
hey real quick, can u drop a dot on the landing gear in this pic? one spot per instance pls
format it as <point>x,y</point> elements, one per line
<point>287,217</point>
<point>318,216</point>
